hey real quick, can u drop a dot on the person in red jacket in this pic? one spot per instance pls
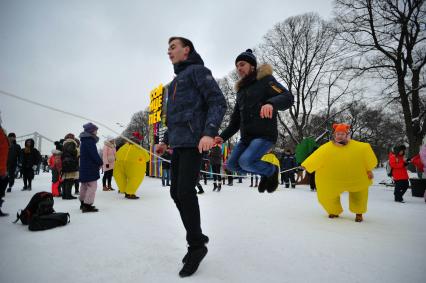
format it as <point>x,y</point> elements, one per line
<point>399,171</point>
<point>4,150</point>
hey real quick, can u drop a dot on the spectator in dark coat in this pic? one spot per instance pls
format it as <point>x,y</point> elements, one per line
<point>90,163</point>
<point>13,160</point>
<point>288,161</point>
<point>30,159</point>
<point>216,163</point>
<point>165,164</point>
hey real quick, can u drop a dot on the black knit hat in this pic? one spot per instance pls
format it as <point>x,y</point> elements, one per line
<point>11,135</point>
<point>248,57</point>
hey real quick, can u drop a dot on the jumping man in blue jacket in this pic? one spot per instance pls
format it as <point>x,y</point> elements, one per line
<point>195,109</point>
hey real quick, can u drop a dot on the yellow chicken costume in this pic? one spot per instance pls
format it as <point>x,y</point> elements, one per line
<point>342,167</point>
<point>129,170</point>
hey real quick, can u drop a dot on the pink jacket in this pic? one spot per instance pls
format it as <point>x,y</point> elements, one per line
<point>108,156</point>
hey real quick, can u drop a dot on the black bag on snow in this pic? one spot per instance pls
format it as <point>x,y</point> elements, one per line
<point>49,221</point>
<point>40,204</point>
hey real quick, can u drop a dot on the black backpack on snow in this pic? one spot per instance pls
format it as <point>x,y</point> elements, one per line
<point>40,204</point>
<point>49,221</point>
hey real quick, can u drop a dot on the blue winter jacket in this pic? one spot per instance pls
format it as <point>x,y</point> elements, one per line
<point>195,104</point>
<point>90,161</point>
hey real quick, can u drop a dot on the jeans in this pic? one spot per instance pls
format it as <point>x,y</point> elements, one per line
<point>246,158</point>
<point>165,177</point>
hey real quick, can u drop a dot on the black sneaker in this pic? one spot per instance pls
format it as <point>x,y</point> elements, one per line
<point>262,184</point>
<point>195,256</point>
<point>272,181</point>
<point>206,241</point>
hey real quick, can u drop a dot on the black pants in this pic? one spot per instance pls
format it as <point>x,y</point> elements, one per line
<point>11,174</point>
<point>216,170</point>
<point>3,185</point>
<point>287,178</point>
<point>77,186</point>
<point>401,187</point>
<point>312,181</point>
<point>107,177</point>
<point>28,175</point>
<point>185,169</point>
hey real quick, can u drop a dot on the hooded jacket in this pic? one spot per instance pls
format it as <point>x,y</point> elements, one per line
<point>252,93</point>
<point>90,161</point>
<point>31,157</point>
<point>195,104</point>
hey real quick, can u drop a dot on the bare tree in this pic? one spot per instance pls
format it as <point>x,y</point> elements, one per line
<point>138,123</point>
<point>306,57</point>
<point>388,38</point>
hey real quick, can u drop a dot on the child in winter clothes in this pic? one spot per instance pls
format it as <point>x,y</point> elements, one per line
<point>55,165</point>
<point>108,157</point>
<point>398,164</point>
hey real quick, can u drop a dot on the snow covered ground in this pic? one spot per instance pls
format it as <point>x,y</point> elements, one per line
<point>280,237</point>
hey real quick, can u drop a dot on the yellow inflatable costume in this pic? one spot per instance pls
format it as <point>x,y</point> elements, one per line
<point>130,167</point>
<point>339,169</point>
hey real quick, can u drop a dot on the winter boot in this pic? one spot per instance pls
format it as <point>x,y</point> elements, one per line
<point>81,205</point>
<point>105,189</point>
<point>262,184</point>
<point>205,240</point>
<point>272,181</point>
<point>110,188</point>
<point>9,190</point>
<point>287,185</point>
<point>89,208</point>
<point>131,196</point>
<point>293,186</point>
<point>331,216</point>
<point>358,218</point>
<point>193,260</point>
<point>200,191</point>
<point>214,186</point>
<point>219,187</point>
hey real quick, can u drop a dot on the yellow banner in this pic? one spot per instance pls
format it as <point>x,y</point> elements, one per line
<point>156,105</point>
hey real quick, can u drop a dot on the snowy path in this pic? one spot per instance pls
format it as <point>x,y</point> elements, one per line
<point>280,237</point>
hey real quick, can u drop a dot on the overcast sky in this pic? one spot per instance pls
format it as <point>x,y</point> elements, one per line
<point>100,59</point>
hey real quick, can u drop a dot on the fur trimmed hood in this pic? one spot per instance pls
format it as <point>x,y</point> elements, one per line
<point>263,70</point>
<point>109,144</point>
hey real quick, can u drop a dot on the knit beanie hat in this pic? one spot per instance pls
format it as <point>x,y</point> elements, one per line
<point>90,127</point>
<point>248,57</point>
<point>341,128</point>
